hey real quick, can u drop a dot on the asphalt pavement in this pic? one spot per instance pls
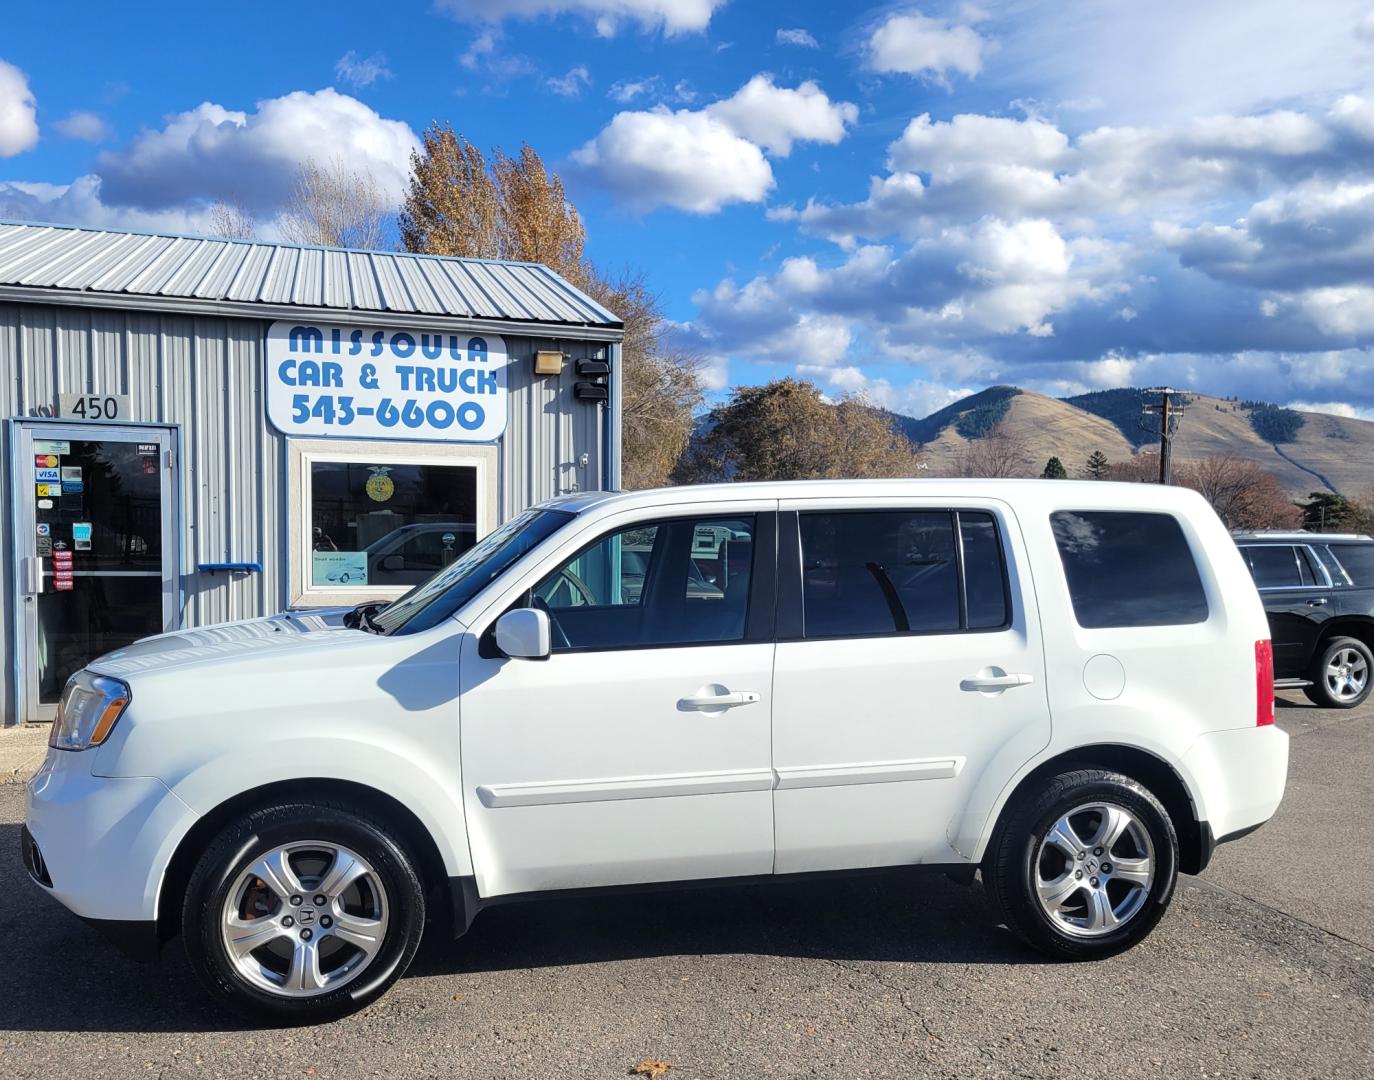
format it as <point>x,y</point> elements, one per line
<point>1264,967</point>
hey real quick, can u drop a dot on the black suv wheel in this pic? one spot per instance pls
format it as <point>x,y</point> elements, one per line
<point>1341,674</point>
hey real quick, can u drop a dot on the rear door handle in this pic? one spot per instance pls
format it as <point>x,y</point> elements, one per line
<point>719,701</point>
<point>1316,601</point>
<point>996,682</point>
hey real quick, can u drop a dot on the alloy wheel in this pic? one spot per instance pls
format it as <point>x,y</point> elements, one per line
<point>304,918</point>
<point>1347,674</point>
<point>1094,869</point>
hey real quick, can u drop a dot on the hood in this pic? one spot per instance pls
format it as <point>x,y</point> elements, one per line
<point>275,635</point>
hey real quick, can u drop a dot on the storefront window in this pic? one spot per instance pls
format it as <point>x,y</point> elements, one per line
<point>387,525</point>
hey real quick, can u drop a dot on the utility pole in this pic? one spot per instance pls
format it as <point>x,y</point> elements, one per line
<point>1169,412</point>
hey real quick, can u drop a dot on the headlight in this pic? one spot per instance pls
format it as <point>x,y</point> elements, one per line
<point>88,710</point>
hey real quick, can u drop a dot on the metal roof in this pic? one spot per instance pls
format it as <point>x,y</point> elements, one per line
<point>252,278</point>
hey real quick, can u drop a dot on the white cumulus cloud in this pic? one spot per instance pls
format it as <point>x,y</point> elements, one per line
<point>213,152</point>
<point>684,159</point>
<point>914,44</point>
<point>774,117</point>
<point>701,160</point>
<point>18,112</point>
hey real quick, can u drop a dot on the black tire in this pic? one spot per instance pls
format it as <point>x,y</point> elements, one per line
<point>1320,692</point>
<point>1010,866</point>
<point>247,839</point>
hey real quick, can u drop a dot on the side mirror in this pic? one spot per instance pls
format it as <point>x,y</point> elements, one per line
<point>392,563</point>
<point>524,634</point>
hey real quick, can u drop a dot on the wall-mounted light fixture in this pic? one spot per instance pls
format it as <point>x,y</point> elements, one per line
<point>548,362</point>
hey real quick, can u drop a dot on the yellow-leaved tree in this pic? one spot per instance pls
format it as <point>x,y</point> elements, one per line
<point>462,202</point>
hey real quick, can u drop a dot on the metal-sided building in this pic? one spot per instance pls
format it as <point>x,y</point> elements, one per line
<point>200,430</point>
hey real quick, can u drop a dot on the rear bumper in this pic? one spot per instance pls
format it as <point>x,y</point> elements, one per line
<point>1242,774</point>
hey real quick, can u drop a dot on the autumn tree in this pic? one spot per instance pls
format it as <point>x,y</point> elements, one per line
<point>1244,494</point>
<point>460,202</point>
<point>996,454</point>
<point>785,430</point>
<point>1097,467</point>
<point>334,205</point>
<point>1140,469</point>
<point>231,220</point>
<point>1054,470</point>
<point>660,385</point>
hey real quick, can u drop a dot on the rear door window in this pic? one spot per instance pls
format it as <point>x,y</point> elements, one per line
<point>869,572</point>
<point>1280,566</point>
<point>1128,568</point>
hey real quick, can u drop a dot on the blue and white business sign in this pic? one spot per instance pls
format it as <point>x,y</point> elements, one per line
<point>368,383</point>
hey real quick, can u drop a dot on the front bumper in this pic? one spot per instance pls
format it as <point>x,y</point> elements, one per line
<point>100,845</point>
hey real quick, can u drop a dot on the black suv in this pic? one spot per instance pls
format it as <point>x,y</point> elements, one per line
<point>1318,590</point>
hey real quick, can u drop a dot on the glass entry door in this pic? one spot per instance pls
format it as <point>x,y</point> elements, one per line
<point>96,536</point>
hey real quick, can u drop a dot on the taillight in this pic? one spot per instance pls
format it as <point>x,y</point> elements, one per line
<point>1264,683</point>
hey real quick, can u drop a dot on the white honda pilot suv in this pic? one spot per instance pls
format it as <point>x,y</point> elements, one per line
<point>1065,686</point>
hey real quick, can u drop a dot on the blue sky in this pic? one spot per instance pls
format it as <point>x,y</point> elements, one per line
<point>908,201</point>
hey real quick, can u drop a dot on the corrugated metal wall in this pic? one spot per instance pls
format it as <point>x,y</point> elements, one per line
<point>205,375</point>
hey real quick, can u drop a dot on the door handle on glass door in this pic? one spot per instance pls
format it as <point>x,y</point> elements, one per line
<point>719,701</point>
<point>996,682</point>
<point>32,573</point>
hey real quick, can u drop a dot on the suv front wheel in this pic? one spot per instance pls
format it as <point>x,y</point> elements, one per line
<point>300,913</point>
<point>1083,867</point>
<point>1341,674</point>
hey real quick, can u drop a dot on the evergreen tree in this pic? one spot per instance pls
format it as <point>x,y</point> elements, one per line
<point>1098,468</point>
<point>1054,470</point>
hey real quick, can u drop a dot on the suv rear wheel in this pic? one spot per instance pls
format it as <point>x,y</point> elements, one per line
<point>300,913</point>
<point>1341,674</point>
<point>1083,867</point>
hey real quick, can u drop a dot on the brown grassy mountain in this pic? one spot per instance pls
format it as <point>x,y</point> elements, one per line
<point>1307,451</point>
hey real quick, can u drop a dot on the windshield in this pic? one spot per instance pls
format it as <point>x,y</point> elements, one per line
<point>432,601</point>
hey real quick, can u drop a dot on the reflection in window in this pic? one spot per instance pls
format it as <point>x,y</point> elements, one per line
<point>1128,569</point>
<point>663,583</point>
<point>388,524</point>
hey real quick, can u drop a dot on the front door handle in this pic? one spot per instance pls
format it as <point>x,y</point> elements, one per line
<point>1316,601</point>
<point>985,683</point>
<point>727,700</point>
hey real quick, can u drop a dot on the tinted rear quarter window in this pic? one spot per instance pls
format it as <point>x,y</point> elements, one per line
<point>1128,568</point>
<point>1358,561</point>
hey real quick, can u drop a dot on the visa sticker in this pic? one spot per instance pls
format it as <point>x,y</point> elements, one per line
<point>46,474</point>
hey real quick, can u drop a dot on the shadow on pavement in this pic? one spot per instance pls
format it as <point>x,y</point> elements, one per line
<point>60,975</point>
